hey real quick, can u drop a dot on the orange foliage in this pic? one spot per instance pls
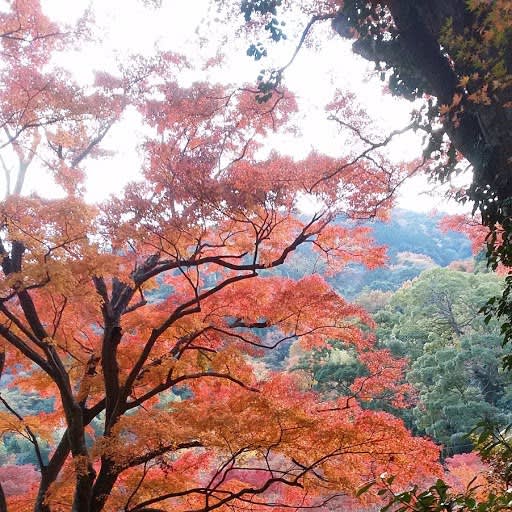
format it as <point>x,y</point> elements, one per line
<point>466,471</point>
<point>475,231</point>
<point>146,316</point>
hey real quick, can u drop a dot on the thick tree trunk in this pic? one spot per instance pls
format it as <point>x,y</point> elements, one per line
<point>106,480</point>
<point>50,473</point>
<point>482,133</point>
<point>3,502</point>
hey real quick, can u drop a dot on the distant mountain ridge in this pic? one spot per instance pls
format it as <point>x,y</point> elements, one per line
<point>414,243</point>
<point>419,233</point>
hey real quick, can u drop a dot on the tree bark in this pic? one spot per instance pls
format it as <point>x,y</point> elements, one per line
<point>482,133</point>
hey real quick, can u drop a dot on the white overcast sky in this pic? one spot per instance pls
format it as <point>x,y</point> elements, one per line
<point>129,27</point>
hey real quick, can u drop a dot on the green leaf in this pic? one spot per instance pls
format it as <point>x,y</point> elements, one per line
<point>365,488</point>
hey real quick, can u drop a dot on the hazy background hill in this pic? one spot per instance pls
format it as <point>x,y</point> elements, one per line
<point>414,243</point>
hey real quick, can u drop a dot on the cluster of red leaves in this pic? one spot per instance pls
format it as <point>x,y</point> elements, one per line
<point>18,480</point>
<point>470,226</point>
<point>144,316</point>
<point>466,471</point>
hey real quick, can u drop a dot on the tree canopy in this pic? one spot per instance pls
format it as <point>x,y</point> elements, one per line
<point>146,317</point>
<point>455,54</point>
<point>144,322</point>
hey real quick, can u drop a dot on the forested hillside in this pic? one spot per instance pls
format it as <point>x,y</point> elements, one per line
<point>425,302</point>
<point>420,233</point>
<point>414,242</point>
<point>452,356</point>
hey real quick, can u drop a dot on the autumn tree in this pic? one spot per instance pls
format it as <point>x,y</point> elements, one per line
<point>454,54</point>
<point>146,316</point>
<point>474,482</point>
<point>455,57</point>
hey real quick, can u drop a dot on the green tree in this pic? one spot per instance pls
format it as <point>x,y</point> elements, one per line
<point>454,355</point>
<point>453,395</point>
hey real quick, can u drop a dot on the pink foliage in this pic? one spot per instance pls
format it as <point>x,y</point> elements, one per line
<point>17,480</point>
<point>466,469</point>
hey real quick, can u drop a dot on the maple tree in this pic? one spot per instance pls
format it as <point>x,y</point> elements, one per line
<point>455,55</point>
<point>476,482</point>
<point>465,470</point>
<point>146,316</point>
